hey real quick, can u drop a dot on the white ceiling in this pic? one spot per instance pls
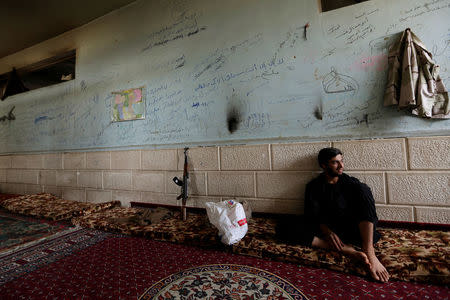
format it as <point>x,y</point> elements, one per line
<point>24,23</point>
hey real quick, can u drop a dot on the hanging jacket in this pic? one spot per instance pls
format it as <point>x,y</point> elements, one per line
<point>413,79</point>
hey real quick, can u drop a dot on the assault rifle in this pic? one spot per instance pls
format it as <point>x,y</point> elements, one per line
<point>184,185</point>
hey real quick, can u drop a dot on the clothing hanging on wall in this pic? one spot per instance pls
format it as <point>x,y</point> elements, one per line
<point>414,81</point>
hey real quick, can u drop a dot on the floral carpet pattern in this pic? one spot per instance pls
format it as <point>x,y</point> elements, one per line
<point>16,230</point>
<point>88,264</point>
<point>223,281</point>
<point>48,206</point>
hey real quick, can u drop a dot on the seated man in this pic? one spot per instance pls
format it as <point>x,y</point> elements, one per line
<point>340,212</point>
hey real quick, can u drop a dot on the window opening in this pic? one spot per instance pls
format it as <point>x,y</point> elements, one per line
<point>327,5</point>
<point>44,73</point>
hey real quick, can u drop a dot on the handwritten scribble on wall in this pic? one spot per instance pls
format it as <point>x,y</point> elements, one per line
<point>334,82</point>
<point>185,26</point>
<point>10,116</point>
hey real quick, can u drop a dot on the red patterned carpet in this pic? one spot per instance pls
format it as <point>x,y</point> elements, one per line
<point>93,265</point>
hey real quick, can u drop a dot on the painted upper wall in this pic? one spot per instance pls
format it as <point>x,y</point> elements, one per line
<point>201,61</point>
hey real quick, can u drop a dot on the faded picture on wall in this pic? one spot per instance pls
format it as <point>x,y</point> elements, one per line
<point>128,105</point>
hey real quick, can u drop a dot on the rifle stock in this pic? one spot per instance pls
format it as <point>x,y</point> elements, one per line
<point>184,185</point>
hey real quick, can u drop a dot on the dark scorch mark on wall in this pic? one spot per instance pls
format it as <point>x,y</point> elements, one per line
<point>233,121</point>
<point>233,113</point>
<point>318,113</point>
<point>233,118</point>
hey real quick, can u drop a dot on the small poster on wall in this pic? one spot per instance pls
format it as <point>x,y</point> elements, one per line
<point>128,105</point>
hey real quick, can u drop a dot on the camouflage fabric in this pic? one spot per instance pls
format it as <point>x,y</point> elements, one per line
<point>409,255</point>
<point>51,207</point>
<point>196,230</point>
<point>416,255</point>
<point>414,81</point>
<point>4,197</point>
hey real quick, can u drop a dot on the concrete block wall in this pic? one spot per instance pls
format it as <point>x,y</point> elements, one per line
<point>409,177</point>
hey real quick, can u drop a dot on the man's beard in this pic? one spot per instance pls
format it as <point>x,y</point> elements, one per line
<point>333,173</point>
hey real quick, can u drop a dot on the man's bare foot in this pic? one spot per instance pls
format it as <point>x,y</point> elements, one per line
<point>346,250</point>
<point>357,255</point>
<point>377,270</point>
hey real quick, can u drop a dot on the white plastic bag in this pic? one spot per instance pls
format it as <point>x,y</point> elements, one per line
<point>229,218</point>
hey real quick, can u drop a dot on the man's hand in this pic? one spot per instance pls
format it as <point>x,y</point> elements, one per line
<point>334,241</point>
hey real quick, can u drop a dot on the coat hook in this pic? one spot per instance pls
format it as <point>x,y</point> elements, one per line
<point>305,28</point>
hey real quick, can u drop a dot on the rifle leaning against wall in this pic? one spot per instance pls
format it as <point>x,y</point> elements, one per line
<point>184,185</point>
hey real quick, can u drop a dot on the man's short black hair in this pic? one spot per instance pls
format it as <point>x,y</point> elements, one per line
<point>326,154</point>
